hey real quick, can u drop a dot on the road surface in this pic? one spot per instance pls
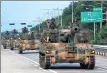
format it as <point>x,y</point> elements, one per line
<point>28,62</point>
<point>14,63</point>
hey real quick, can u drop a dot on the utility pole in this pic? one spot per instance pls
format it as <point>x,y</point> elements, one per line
<point>48,13</point>
<point>39,24</point>
<point>94,31</point>
<point>106,18</point>
<point>53,14</point>
<point>59,22</point>
<point>102,12</point>
<point>58,15</point>
<point>72,11</point>
<point>39,20</point>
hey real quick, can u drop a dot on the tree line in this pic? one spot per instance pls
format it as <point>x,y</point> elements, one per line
<point>79,7</point>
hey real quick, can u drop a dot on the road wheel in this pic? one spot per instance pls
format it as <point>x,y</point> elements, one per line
<point>40,60</point>
<point>11,48</point>
<point>4,46</point>
<point>45,62</point>
<point>82,65</point>
<point>20,50</point>
<point>90,65</point>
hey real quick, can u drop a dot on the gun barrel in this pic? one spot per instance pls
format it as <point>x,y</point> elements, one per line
<point>75,28</point>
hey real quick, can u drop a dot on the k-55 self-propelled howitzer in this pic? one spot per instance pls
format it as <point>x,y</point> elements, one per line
<point>66,46</point>
<point>28,41</point>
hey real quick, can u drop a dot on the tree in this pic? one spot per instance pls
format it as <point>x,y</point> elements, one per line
<point>77,9</point>
<point>25,30</point>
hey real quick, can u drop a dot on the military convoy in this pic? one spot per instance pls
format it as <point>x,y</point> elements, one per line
<point>28,41</point>
<point>66,46</point>
<point>57,45</point>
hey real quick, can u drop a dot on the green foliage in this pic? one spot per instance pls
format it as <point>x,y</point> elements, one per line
<point>77,9</point>
<point>104,33</point>
<point>41,26</point>
<point>101,35</point>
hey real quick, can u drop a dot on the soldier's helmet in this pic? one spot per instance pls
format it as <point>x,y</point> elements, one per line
<point>52,24</point>
<point>25,30</point>
<point>52,20</point>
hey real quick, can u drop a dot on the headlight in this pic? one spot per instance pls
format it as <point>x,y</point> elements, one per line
<point>48,52</point>
<point>92,51</point>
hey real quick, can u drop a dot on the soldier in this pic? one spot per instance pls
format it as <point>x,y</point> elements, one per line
<point>52,24</point>
<point>51,32</point>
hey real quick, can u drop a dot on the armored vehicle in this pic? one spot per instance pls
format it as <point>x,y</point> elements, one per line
<point>28,41</point>
<point>14,43</point>
<point>6,43</point>
<point>6,38</point>
<point>66,46</point>
<point>14,40</point>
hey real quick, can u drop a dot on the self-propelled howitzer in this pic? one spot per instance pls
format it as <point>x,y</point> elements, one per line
<point>28,41</point>
<point>14,39</point>
<point>66,46</point>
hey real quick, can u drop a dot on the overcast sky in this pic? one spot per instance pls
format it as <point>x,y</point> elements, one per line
<point>27,12</point>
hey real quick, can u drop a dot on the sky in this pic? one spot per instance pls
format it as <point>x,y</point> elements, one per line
<point>29,12</point>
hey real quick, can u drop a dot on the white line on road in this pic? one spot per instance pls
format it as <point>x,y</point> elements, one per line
<point>100,45</point>
<point>37,64</point>
<point>52,71</point>
<point>102,69</point>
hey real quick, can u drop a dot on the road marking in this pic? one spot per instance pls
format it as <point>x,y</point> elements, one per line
<point>52,71</point>
<point>29,59</point>
<point>40,68</point>
<point>102,69</point>
<point>37,64</point>
<point>101,56</point>
<point>100,46</point>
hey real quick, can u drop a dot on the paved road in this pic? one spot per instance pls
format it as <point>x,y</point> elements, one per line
<point>32,58</point>
<point>71,68</point>
<point>14,63</point>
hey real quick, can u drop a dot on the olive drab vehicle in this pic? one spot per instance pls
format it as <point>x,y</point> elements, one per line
<point>14,40</point>
<point>66,46</point>
<point>6,42</point>
<point>14,43</point>
<point>28,41</point>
